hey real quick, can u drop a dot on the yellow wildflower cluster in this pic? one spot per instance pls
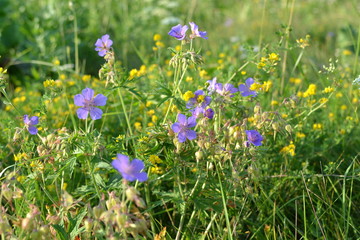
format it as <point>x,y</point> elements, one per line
<point>300,135</point>
<point>203,73</point>
<point>267,63</point>
<point>290,149</point>
<point>317,126</point>
<point>156,169</point>
<point>328,90</point>
<point>158,43</point>
<point>137,126</point>
<point>310,91</point>
<point>188,95</point>
<point>296,81</point>
<point>137,73</point>
<point>303,43</point>
<point>21,156</point>
<point>155,159</point>
<point>119,138</point>
<point>189,79</point>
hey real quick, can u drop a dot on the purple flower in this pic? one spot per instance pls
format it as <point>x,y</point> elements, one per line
<point>200,100</point>
<point>245,88</point>
<point>87,101</point>
<point>254,137</point>
<point>30,122</point>
<point>103,45</point>
<point>209,113</point>
<point>226,90</point>
<point>178,32</point>
<point>212,85</point>
<point>182,127</point>
<point>195,31</point>
<point>130,171</point>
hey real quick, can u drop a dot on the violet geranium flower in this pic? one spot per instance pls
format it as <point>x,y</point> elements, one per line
<point>87,102</point>
<point>254,137</point>
<point>226,90</point>
<point>200,100</point>
<point>30,122</point>
<point>178,32</point>
<point>245,88</point>
<point>212,85</point>
<point>130,171</point>
<point>103,45</point>
<point>195,31</point>
<point>182,128</point>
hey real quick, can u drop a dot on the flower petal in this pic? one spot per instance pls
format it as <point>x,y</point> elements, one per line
<point>249,81</point>
<point>141,177</point>
<point>32,130</point>
<point>82,113</point>
<point>176,127</point>
<point>95,113</point>
<point>191,122</point>
<point>137,165</point>
<point>190,134</point>
<point>88,93</point>
<point>34,120</point>
<point>79,100</point>
<point>181,119</point>
<point>26,119</point>
<point>182,137</point>
<point>99,100</point>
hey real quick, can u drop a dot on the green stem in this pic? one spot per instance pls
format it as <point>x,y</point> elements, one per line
<point>93,177</point>
<point>125,112</point>
<point>224,203</point>
<point>3,91</point>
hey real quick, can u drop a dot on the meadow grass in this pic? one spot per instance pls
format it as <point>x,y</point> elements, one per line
<point>276,158</point>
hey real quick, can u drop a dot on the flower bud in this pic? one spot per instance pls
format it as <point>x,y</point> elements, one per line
<point>275,126</point>
<point>199,155</point>
<point>98,210</point>
<point>257,109</point>
<point>288,128</point>
<point>88,224</point>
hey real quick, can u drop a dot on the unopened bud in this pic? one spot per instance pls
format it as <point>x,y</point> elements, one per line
<point>275,126</point>
<point>199,155</point>
<point>257,108</point>
<point>288,128</point>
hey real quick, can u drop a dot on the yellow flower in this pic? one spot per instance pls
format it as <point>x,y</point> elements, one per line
<point>202,73</point>
<point>169,73</point>
<point>284,115</point>
<point>157,37</point>
<point>56,62</point>
<point>20,156</point>
<point>331,115</point>
<point>150,124</point>
<point>303,43</point>
<point>133,73</point>
<point>347,52</point>
<point>154,159</point>
<point>267,85</point>
<point>21,178</point>
<point>300,135</point>
<point>188,95</point>
<point>86,78</point>
<point>148,103</point>
<point>290,149</point>
<point>323,100</point>
<point>150,112</point>
<point>189,79</point>
<point>160,44</point>
<point>310,91</point>
<point>274,103</point>
<point>273,57</point>
<point>222,55</point>
<point>137,126</point>
<point>154,118</point>
<point>328,90</point>
<point>255,86</point>
<point>178,48</point>
<point>317,126</point>
<point>338,95</point>
<point>119,138</point>
<point>343,107</point>
<point>354,100</point>
<point>156,170</point>
<point>243,72</point>
<point>295,80</point>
